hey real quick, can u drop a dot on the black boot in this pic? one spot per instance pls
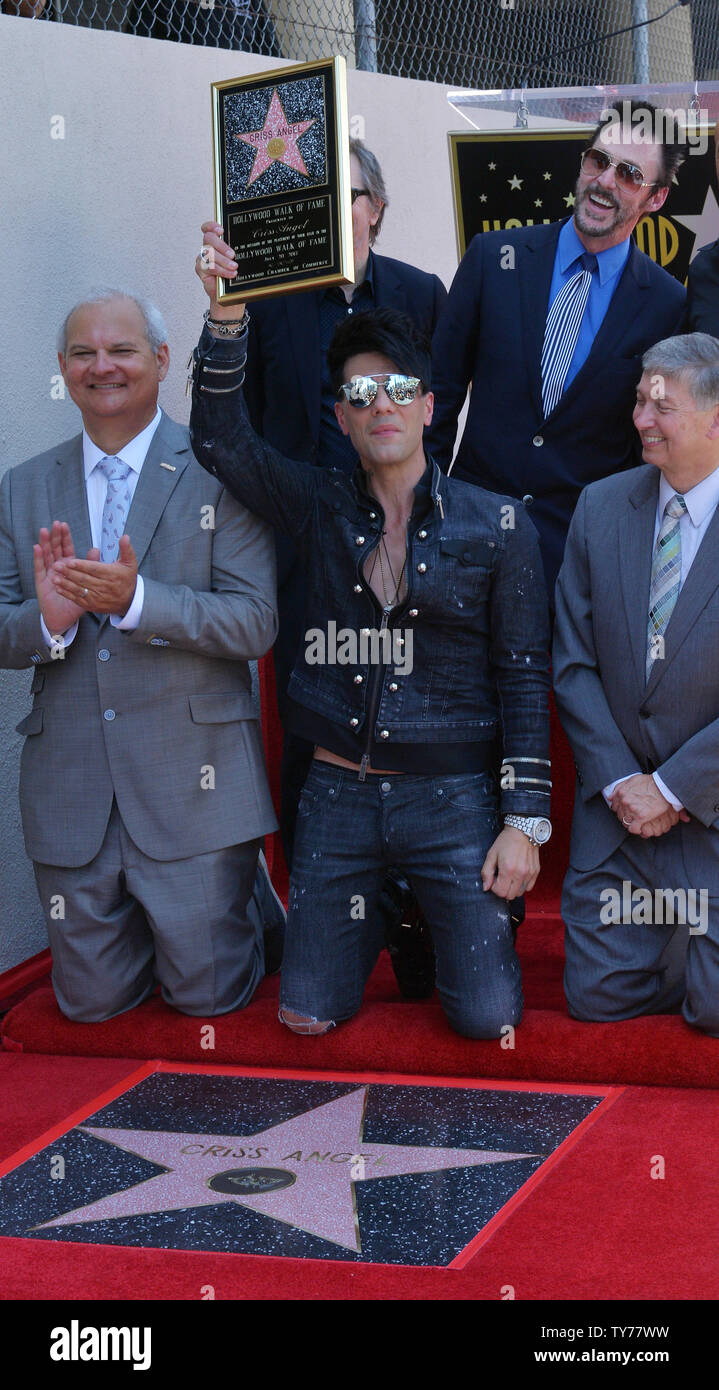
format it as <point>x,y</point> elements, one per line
<point>516,915</point>
<point>407,937</point>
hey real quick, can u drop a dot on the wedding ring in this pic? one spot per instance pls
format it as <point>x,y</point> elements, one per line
<point>624,819</point>
<point>85,593</point>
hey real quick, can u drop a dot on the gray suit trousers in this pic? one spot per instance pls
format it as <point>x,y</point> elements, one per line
<point>628,951</point>
<point>124,922</point>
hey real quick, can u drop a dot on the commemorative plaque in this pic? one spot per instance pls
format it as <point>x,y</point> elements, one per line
<point>282,179</point>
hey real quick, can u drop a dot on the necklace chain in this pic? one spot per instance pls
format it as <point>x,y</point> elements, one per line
<point>389,602</point>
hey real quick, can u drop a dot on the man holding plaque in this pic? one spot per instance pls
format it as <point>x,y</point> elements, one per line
<point>412,580</point>
<point>289,339</point>
<point>548,325</point>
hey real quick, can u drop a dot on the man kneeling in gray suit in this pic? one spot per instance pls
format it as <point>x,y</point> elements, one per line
<point>139,590</point>
<point>636,667</point>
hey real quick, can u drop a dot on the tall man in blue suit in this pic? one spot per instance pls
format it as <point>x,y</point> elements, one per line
<point>548,325</point>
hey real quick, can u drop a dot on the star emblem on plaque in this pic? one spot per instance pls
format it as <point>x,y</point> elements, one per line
<point>277,140</point>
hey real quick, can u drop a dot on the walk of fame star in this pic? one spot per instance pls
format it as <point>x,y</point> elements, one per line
<point>276,141</point>
<point>301,1172</point>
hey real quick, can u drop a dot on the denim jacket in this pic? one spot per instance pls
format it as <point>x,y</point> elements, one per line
<point>475,612</point>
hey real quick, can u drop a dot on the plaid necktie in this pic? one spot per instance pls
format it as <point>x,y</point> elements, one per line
<point>666,575</point>
<point>117,505</point>
<point>561,332</point>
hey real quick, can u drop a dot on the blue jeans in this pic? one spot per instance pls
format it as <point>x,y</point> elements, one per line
<point>437,830</point>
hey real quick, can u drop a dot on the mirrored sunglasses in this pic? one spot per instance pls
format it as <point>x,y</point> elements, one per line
<point>361,390</point>
<point>596,162</point>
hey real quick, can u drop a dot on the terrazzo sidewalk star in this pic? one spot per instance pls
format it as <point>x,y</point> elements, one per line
<point>321,1154</point>
<point>344,1168</point>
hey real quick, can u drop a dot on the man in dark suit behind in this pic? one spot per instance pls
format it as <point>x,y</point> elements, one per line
<point>703,283</point>
<point>291,402</point>
<point>550,409</point>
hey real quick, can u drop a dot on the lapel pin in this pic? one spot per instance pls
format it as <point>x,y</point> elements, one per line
<point>169,466</point>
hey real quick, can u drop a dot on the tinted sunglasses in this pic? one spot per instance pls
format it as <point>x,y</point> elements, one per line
<point>361,390</point>
<point>596,162</point>
<point>360,193</point>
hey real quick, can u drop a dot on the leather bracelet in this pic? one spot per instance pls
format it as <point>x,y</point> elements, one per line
<point>227,328</point>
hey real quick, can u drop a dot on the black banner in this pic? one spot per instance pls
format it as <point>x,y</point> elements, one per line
<point>521,178</point>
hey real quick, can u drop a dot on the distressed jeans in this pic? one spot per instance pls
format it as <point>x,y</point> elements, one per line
<point>437,830</point>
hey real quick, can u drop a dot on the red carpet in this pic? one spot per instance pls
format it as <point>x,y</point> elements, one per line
<point>598,1226</point>
<point>391,1035</point>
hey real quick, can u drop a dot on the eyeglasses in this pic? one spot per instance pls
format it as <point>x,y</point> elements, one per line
<point>596,162</point>
<point>360,193</point>
<point>362,390</point>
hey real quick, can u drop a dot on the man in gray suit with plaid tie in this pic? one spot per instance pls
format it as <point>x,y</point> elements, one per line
<point>636,670</point>
<point>139,590</point>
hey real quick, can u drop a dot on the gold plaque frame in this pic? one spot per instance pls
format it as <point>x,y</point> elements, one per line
<point>295,232</point>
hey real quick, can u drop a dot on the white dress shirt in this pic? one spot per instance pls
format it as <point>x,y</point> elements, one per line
<point>702,501</point>
<point>133,454</point>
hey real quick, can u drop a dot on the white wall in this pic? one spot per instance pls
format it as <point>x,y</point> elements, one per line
<point>120,200</point>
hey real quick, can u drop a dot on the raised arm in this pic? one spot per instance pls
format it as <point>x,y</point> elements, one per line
<point>280,490</point>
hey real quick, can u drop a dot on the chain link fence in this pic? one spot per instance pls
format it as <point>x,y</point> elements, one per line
<point>463,43</point>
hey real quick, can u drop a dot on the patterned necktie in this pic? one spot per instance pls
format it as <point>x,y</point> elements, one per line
<point>117,505</point>
<point>561,332</point>
<point>666,574</point>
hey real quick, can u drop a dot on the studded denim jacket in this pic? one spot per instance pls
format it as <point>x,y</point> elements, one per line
<point>476,604</point>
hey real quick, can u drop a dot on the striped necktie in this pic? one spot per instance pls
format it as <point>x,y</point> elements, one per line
<point>666,577</point>
<point>117,505</point>
<point>561,332</point>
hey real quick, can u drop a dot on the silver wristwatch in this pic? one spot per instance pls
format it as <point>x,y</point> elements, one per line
<point>537,828</point>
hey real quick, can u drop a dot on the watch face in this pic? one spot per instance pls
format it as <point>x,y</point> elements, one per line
<point>542,830</point>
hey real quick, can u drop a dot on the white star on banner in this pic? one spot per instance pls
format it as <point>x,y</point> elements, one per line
<point>704,225</point>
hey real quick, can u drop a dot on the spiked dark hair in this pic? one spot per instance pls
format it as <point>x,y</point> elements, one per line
<point>636,114</point>
<point>388,332</point>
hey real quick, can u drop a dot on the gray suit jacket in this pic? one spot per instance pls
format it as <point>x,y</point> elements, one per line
<point>616,722</point>
<point>161,718</point>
